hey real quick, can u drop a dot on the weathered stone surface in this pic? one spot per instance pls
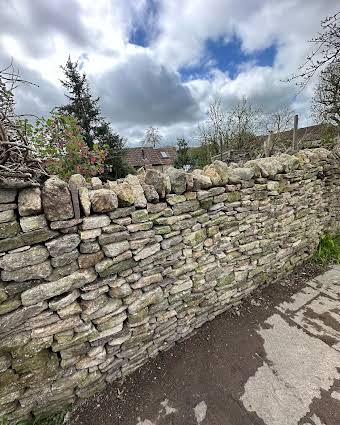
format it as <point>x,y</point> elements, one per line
<point>95,222</point>
<point>77,180</point>
<point>137,190</point>
<point>57,201</point>
<point>63,244</point>
<point>36,222</point>
<point>28,238</point>
<point>147,251</point>
<point>96,183</point>
<point>145,300</point>
<point>8,230</point>
<point>86,261</point>
<point>17,317</point>
<point>178,180</point>
<point>117,268</point>
<point>48,290</point>
<point>58,327</point>
<point>64,259</point>
<point>210,172</point>
<point>84,199</point>
<point>124,192</point>
<point>114,249</point>
<point>159,181</point>
<point>103,200</point>
<point>63,300</point>
<point>6,216</point>
<point>150,192</point>
<point>29,201</point>
<point>65,224</point>
<point>200,181</point>
<point>37,271</point>
<point>29,257</point>
<point>7,195</point>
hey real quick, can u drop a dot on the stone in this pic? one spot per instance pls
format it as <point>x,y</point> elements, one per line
<point>9,305</point>
<point>65,224</point>
<point>7,195</point>
<point>48,290</point>
<point>37,222</point>
<point>6,216</point>
<point>95,222</point>
<point>267,167</point>
<point>57,201</point>
<point>114,249</point>
<point>84,199</point>
<point>8,230</point>
<point>240,173</point>
<point>86,235</point>
<point>64,259</point>
<point>195,238</point>
<point>89,247</point>
<point>86,261</point>
<point>5,362</point>
<point>213,175</point>
<point>77,180</point>
<point>14,319</point>
<point>63,300</point>
<point>96,183</point>
<point>35,272</point>
<point>57,327</point>
<point>103,200</point>
<point>145,300</point>
<point>29,201</point>
<point>137,191</point>
<point>29,257</point>
<point>150,192</point>
<point>147,280</point>
<point>159,181</point>
<point>147,251</point>
<point>178,180</point>
<point>62,245</point>
<point>29,238</point>
<point>124,193</point>
<point>117,268</point>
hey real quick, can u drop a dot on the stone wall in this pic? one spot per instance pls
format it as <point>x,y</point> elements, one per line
<point>96,279</point>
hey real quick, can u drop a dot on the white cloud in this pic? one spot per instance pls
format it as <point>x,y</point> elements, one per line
<point>142,86</point>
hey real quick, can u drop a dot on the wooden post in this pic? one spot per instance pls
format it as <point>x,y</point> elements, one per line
<point>296,123</point>
<point>268,145</point>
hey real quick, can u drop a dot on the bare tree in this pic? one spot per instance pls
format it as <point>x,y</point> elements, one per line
<point>218,125</point>
<point>325,52</point>
<point>279,121</point>
<point>152,137</point>
<point>19,166</point>
<point>243,122</point>
<point>326,99</point>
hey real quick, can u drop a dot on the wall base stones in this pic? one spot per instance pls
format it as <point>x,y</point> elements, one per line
<point>85,301</point>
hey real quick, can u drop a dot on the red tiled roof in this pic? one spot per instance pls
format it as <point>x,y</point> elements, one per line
<point>140,157</point>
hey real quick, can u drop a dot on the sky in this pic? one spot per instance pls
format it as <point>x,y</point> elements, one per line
<point>161,62</point>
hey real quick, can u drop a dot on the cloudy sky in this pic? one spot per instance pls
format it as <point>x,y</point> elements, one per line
<point>160,62</point>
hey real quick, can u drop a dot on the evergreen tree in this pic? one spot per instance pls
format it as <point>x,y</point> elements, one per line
<point>85,108</point>
<point>81,104</point>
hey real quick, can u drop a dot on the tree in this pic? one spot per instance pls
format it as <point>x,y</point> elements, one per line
<point>96,130</point>
<point>81,103</point>
<point>184,159</point>
<point>326,99</point>
<point>218,123</point>
<point>244,121</point>
<point>59,141</point>
<point>152,137</point>
<point>326,51</point>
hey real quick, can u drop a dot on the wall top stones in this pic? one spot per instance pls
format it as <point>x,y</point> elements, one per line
<point>64,201</point>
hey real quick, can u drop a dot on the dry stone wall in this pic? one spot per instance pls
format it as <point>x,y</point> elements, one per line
<point>97,278</point>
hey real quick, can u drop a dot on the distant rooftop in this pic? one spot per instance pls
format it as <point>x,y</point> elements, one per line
<point>142,156</point>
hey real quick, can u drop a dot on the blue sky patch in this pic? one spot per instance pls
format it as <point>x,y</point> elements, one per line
<point>227,57</point>
<point>144,31</point>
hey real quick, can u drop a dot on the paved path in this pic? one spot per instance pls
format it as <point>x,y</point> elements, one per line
<point>274,361</point>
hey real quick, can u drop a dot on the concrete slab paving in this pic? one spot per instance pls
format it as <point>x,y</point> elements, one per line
<point>273,361</point>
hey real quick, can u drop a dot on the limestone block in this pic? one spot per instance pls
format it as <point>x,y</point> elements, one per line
<point>29,257</point>
<point>56,199</point>
<point>103,200</point>
<point>29,201</point>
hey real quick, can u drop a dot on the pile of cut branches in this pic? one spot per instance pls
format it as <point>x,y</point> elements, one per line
<point>19,165</point>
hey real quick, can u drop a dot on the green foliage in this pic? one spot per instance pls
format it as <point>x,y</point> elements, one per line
<point>81,104</point>
<point>96,131</point>
<point>202,155</point>
<point>328,250</point>
<point>328,135</point>
<point>184,159</point>
<point>59,141</point>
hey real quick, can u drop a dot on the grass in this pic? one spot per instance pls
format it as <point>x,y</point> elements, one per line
<point>328,251</point>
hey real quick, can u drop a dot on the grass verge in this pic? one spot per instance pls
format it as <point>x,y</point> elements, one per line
<point>328,251</point>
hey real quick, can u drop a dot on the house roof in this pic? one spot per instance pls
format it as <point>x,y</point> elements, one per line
<point>142,156</point>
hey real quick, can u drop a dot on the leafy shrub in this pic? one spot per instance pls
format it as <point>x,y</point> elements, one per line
<point>59,141</point>
<point>328,250</point>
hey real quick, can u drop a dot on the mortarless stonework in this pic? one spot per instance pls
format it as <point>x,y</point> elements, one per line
<point>84,301</point>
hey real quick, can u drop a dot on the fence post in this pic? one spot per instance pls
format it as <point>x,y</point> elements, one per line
<point>296,122</point>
